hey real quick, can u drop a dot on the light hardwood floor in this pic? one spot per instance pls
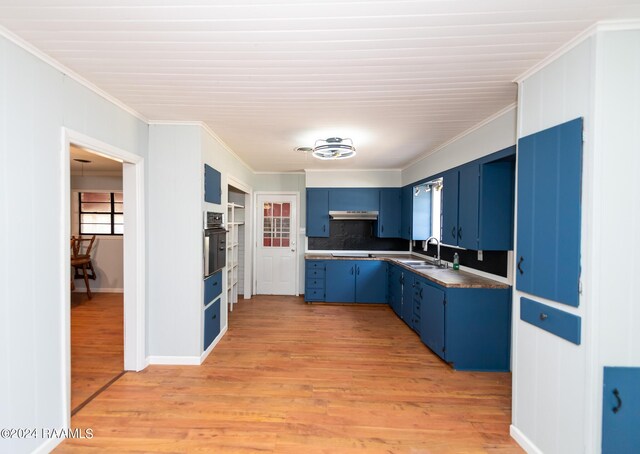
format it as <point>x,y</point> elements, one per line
<point>97,343</point>
<point>294,378</point>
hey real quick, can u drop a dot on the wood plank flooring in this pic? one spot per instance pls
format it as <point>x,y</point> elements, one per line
<point>97,343</point>
<point>293,378</point>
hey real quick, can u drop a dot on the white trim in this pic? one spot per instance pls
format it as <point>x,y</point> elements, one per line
<point>209,349</point>
<point>248,234</point>
<point>611,25</point>
<point>49,445</point>
<point>134,256</point>
<point>477,126</point>
<point>208,130</point>
<point>18,41</point>
<point>82,289</point>
<point>255,236</point>
<point>523,440</point>
<point>174,360</point>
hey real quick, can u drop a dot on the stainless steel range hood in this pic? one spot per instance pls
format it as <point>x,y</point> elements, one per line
<point>354,215</point>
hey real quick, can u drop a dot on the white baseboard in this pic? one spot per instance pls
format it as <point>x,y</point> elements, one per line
<point>48,446</point>
<point>213,344</point>
<point>98,290</point>
<point>523,440</point>
<point>174,360</point>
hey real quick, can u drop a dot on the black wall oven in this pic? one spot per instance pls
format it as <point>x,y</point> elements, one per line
<point>215,243</point>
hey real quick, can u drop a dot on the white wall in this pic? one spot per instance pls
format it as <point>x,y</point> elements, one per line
<point>495,135</point>
<point>175,241</point>
<point>107,250</point>
<point>37,101</point>
<point>353,178</point>
<point>613,283</point>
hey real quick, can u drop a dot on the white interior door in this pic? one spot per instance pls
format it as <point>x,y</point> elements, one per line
<point>276,254</point>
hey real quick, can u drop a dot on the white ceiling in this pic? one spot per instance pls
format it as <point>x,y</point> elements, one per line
<point>399,77</point>
<point>99,164</point>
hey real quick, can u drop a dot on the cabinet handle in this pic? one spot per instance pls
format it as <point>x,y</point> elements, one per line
<point>519,265</point>
<point>382,228</point>
<point>420,292</point>
<point>358,270</point>
<point>324,227</point>
<point>459,233</point>
<point>221,248</point>
<point>543,316</point>
<point>351,270</point>
<point>453,231</point>
<point>616,393</point>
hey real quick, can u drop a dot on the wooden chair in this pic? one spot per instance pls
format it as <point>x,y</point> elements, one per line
<point>81,261</point>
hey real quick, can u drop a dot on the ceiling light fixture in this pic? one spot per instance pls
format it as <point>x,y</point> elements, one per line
<point>334,148</point>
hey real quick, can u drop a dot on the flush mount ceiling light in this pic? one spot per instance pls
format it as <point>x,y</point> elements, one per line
<point>331,149</point>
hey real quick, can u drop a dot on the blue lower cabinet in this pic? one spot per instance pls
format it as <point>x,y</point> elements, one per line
<point>477,328</point>
<point>395,289</point>
<point>432,320</point>
<point>371,281</point>
<point>211,323</point>
<point>621,410</point>
<point>212,287</point>
<point>314,288</point>
<point>341,275</point>
<point>408,287</point>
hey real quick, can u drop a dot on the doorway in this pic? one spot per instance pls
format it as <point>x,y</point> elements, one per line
<point>132,227</point>
<point>97,299</point>
<point>276,245</point>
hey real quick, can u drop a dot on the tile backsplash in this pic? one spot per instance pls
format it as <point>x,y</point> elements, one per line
<point>356,236</point>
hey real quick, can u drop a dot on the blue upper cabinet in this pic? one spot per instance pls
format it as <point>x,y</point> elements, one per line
<point>360,199</point>
<point>317,212</point>
<point>390,215</point>
<point>477,204</point>
<point>549,213</point>
<point>450,181</point>
<point>468,202</point>
<point>621,410</point>
<point>407,212</point>
<point>212,185</point>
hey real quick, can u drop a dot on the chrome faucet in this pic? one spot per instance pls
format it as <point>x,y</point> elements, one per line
<point>438,261</point>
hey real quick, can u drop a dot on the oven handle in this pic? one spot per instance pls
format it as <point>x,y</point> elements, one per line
<point>206,254</point>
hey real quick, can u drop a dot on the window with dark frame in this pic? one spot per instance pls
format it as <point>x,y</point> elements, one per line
<point>100,213</point>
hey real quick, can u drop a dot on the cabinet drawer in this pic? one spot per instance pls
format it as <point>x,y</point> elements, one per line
<point>416,308</point>
<point>555,321</point>
<point>315,264</point>
<point>211,323</point>
<point>212,287</point>
<point>315,273</point>
<point>314,294</point>
<point>315,283</point>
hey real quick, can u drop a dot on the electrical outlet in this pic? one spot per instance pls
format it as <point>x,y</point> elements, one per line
<point>479,256</point>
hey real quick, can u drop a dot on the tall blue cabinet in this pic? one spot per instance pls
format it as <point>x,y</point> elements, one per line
<point>549,213</point>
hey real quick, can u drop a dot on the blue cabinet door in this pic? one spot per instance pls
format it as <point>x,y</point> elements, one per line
<point>495,227</point>
<point>432,319</point>
<point>371,281</point>
<point>621,410</point>
<point>212,185</point>
<point>549,213</point>
<point>390,216</point>
<point>450,208</point>
<point>407,212</point>
<point>340,281</point>
<point>468,197</point>
<point>211,323</point>
<point>395,289</point>
<point>408,288</point>
<point>360,199</point>
<point>317,212</point>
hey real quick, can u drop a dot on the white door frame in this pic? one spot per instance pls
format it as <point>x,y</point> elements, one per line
<point>297,234</point>
<point>248,232</point>
<point>133,253</point>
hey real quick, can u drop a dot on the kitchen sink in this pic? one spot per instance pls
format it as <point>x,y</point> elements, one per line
<point>426,267</point>
<point>413,262</point>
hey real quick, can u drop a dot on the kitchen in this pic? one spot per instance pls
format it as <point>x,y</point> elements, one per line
<point>561,394</point>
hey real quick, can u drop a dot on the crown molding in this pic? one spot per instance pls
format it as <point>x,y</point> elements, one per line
<point>351,170</point>
<point>25,45</point>
<point>477,126</point>
<point>295,172</point>
<point>602,26</point>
